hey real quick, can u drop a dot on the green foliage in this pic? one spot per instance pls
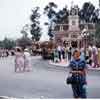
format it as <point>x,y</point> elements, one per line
<point>7,43</point>
<point>89,13</point>
<point>1,44</point>
<point>62,15</point>
<point>24,42</point>
<point>35,26</point>
<point>97,34</point>
<point>50,11</point>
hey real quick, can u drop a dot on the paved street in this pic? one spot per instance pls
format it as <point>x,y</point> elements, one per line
<point>45,81</point>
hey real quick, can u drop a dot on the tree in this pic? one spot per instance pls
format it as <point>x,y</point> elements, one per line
<point>7,43</point>
<point>35,26</point>
<point>97,34</point>
<point>50,11</point>
<point>24,30</point>
<point>1,44</point>
<point>62,15</point>
<point>24,42</point>
<point>88,13</point>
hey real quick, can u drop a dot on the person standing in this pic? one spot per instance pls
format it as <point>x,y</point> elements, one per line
<point>52,54</point>
<point>90,51</point>
<point>63,52</point>
<point>0,52</point>
<point>69,53</point>
<point>78,70</point>
<point>90,55</point>
<point>19,60</point>
<point>82,56</point>
<point>56,58</point>
<point>59,52</point>
<point>66,53</point>
<point>95,56</point>
<point>27,58</point>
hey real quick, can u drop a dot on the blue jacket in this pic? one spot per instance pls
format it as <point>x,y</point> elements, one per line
<point>78,65</point>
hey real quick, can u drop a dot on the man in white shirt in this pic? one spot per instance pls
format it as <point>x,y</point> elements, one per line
<point>59,52</point>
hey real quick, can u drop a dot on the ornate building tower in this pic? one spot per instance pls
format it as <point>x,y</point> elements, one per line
<point>70,32</point>
<point>74,30</point>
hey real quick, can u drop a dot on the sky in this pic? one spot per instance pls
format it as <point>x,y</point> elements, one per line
<point>14,14</point>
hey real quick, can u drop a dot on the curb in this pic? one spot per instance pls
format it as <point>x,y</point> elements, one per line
<point>36,57</point>
<point>66,66</point>
<point>59,64</point>
<point>94,69</point>
<point>5,97</point>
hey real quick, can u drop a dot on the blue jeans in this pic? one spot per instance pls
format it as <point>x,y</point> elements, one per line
<point>79,90</point>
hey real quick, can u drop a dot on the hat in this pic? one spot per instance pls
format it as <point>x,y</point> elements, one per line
<point>18,49</point>
<point>26,50</point>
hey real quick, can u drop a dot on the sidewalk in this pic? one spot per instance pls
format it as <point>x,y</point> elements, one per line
<point>93,69</point>
<point>36,57</point>
<point>5,97</point>
<point>60,64</point>
<point>65,64</point>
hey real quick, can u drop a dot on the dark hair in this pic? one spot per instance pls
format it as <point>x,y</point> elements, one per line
<point>75,52</point>
<point>18,50</point>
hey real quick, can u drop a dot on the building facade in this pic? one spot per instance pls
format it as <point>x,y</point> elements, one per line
<point>70,33</point>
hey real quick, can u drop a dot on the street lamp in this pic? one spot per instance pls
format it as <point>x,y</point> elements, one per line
<point>85,35</point>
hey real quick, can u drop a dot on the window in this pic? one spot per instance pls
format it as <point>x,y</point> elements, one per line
<point>65,27</point>
<point>57,28</point>
<point>67,35</point>
<point>73,22</point>
<point>90,26</point>
<point>74,36</point>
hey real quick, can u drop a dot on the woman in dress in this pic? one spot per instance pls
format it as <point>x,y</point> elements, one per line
<point>27,58</point>
<point>19,60</point>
